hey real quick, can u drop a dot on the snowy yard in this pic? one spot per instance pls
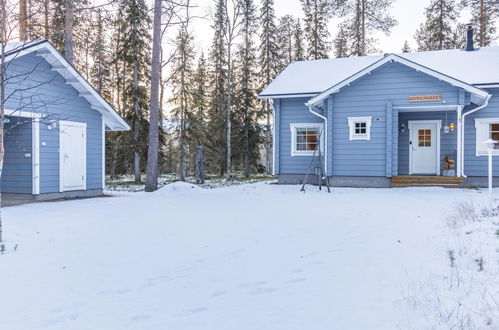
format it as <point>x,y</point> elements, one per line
<point>255,256</point>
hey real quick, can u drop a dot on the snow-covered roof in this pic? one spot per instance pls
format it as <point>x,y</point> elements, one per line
<point>479,67</point>
<point>46,50</point>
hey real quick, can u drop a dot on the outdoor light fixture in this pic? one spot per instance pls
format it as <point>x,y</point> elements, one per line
<point>52,125</point>
<point>452,127</point>
<point>446,129</point>
<point>402,127</point>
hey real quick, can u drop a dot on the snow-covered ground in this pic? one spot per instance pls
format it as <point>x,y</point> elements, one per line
<point>256,256</point>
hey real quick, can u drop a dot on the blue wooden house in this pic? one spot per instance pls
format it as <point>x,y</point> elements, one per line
<point>55,125</point>
<point>380,120</point>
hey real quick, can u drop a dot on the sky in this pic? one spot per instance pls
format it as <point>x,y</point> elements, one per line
<point>409,13</point>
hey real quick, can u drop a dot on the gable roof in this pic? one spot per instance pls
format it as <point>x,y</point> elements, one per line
<point>46,50</point>
<point>477,95</point>
<point>310,78</point>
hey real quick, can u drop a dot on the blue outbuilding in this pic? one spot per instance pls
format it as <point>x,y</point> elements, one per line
<point>388,119</point>
<point>55,124</point>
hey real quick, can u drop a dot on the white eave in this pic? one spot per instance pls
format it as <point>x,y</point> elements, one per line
<point>478,95</point>
<point>44,49</point>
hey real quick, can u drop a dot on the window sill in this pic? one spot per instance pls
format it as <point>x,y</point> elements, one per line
<point>304,153</point>
<point>486,153</point>
<point>357,138</point>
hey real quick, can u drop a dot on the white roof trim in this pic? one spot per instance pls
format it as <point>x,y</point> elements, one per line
<point>284,96</point>
<point>479,93</point>
<point>43,48</point>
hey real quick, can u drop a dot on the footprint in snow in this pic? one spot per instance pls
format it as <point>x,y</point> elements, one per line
<point>259,291</point>
<point>218,294</point>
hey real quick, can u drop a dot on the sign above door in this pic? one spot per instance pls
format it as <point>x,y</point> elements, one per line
<point>425,98</point>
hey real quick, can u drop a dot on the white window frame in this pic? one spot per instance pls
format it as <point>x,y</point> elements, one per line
<point>294,126</point>
<point>480,135</point>
<point>351,124</point>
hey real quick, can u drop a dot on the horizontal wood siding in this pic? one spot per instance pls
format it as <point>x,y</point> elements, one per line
<point>473,165</point>
<point>368,96</point>
<point>40,89</point>
<point>448,141</point>
<point>293,110</point>
<point>17,168</point>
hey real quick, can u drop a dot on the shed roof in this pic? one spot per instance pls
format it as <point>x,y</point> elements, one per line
<point>479,67</point>
<point>46,50</point>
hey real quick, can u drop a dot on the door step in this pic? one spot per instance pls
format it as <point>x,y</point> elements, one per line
<point>426,181</point>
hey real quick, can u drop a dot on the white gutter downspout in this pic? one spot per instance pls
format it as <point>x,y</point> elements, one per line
<point>463,117</point>
<point>325,133</point>
<point>271,102</point>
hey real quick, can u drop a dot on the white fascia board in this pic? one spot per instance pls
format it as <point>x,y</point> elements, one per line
<point>285,96</point>
<point>46,50</point>
<point>479,93</point>
<point>23,114</point>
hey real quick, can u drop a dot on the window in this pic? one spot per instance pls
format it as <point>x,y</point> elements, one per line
<point>424,137</point>
<point>486,128</point>
<point>306,138</point>
<point>360,128</point>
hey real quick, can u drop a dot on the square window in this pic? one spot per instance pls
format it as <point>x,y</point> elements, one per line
<point>305,139</point>
<point>360,128</point>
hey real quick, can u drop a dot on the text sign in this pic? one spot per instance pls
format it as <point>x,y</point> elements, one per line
<point>425,98</point>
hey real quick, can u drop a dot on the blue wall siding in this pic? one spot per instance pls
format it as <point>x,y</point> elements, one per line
<point>45,91</point>
<point>293,110</point>
<point>448,141</point>
<point>369,96</point>
<point>17,168</point>
<point>473,165</point>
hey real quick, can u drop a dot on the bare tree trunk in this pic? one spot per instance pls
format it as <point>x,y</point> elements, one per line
<point>199,165</point>
<point>136,129</point>
<point>153,150</point>
<point>23,20</point>
<point>46,9</point>
<point>246,160</point>
<point>363,25</point>
<point>68,31</point>
<point>229,113</point>
<point>3,36</point>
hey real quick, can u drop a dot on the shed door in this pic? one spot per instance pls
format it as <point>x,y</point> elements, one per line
<point>72,156</point>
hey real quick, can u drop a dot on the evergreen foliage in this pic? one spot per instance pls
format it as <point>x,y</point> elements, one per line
<point>317,14</point>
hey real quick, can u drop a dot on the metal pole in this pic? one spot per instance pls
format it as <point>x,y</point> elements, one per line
<point>490,179</point>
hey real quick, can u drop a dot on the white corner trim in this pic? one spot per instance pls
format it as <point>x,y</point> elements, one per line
<point>351,128</point>
<point>410,125</point>
<point>103,154</point>
<point>294,126</point>
<point>35,155</point>
<point>482,134</point>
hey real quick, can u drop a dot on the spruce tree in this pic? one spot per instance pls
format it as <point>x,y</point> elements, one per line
<point>484,15</point>
<point>298,50</point>
<point>245,96</point>
<point>406,48</point>
<point>181,77</point>
<point>134,55</point>
<point>340,43</point>
<point>363,18</point>
<point>317,14</point>
<point>218,101</point>
<point>439,31</point>
<point>269,67</point>
<point>285,40</point>
<point>200,98</point>
<point>100,71</point>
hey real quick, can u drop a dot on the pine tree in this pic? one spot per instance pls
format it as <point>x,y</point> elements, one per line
<point>180,80</point>
<point>218,101</point>
<point>484,15</point>
<point>269,66</point>
<point>363,18</point>
<point>245,96</point>
<point>317,14</point>
<point>439,31</point>
<point>285,40</point>
<point>134,55</point>
<point>406,48</point>
<point>298,50</point>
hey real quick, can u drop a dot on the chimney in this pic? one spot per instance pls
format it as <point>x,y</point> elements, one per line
<point>469,38</point>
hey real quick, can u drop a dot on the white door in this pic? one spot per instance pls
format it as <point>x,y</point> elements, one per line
<point>424,147</point>
<point>73,152</point>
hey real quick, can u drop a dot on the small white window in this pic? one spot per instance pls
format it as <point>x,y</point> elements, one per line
<point>360,128</point>
<point>306,138</point>
<point>486,128</point>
